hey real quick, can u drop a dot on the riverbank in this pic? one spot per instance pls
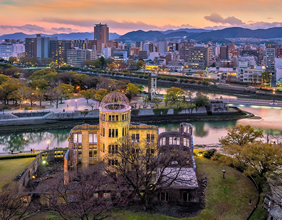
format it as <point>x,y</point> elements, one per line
<point>221,89</point>
<point>19,126</point>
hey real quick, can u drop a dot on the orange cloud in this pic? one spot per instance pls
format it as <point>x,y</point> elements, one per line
<point>125,15</point>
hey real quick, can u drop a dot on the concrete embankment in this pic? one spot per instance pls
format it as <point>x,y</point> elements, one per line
<point>44,124</point>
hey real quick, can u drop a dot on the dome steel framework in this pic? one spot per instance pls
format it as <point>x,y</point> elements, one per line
<point>115,101</point>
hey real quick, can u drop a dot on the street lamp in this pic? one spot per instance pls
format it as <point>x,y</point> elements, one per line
<point>223,174</point>
<point>76,103</point>
<point>48,142</point>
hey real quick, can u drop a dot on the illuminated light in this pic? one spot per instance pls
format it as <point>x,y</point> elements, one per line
<point>44,162</point>
<point>33,177</point>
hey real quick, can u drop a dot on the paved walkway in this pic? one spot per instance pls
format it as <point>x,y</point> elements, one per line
<point>69,105</point>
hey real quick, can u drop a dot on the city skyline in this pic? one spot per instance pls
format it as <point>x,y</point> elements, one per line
<point>123,16</point>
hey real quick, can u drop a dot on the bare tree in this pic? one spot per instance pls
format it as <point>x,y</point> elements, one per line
<point>92,105</point>
<point>88,196</point>
<point>57,94</point>
<point>14,203</point>
<point>137,165</point>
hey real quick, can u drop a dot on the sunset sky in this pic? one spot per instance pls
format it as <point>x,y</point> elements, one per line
<point>64,16</point>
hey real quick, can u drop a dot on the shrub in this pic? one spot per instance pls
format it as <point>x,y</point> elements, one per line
<point>192,81</point>
<point>199,82</point>
<point>5,107</point>
<point>209,153</point>
<point>26,108</point>
<point>205,83</point>
<point>29,108</point>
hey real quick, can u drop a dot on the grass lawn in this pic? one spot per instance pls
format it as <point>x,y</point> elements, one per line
<point>10,168</point>
<point>225,198</point>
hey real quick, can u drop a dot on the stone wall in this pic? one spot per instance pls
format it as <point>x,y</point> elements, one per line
<point>42,158</point>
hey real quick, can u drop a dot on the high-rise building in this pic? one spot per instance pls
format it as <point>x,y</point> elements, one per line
<point>101,32</point>
<point>139,45</point>
<point>38,47</point>
<point>134,51</point>
<point>120,56</point>
<point>30,47</point>
<point>106,52</point>
<point>279,51</point>
<point>43,46</point>
<point>270,57</point>
<point>19,48</point>
<point>82,44</point>
<point>224,53</point>
<point>184,50</point>
<point>162,47</point>
<point>75,57</point>
<point>91,55</point>
<point>143,55</point>
<point>200,57</point>
<point>6,51</point>
<point>58,50</point>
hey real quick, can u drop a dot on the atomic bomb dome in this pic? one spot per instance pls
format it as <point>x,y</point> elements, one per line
<point>115,101</point>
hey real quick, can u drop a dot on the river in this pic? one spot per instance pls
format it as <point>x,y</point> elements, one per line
<point>204,132</point>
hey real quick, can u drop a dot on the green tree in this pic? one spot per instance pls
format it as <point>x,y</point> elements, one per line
<point>174,93</point>
<point>8,88</point>
<point>88,94</point>
<point>46,74</point>
<point>88,63</point>
<point>41,84</point>
<point>3,78</point>
<point>257,158</point>
<point>112,66</point>
<point>103,62</point>
<point>201,101</point>
<point>240,135</point>
<point>265,77</point>
<point>100,94</point>
<point>132,89</point>
<point>97,63</point>
<point>12,60</point>
<point>79,79</point>
<point>66,90</point>
<point>110,60</point>
<point>140,64</point>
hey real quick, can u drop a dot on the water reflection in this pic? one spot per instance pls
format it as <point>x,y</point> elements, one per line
<point>14,142</point>
<point>204,132</point>
<point>36,140</point>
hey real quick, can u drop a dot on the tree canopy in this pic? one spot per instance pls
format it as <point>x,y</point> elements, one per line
<point>201,101</point>
<point>174,93</point>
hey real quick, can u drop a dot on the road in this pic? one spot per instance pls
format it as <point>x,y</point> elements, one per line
<point>252,102</point>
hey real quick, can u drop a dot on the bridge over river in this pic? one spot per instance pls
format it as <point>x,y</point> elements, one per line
<point>253,103</point>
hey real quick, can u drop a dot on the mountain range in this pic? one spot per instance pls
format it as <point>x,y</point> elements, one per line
<point>200,35</point>
<point>203,35</point>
